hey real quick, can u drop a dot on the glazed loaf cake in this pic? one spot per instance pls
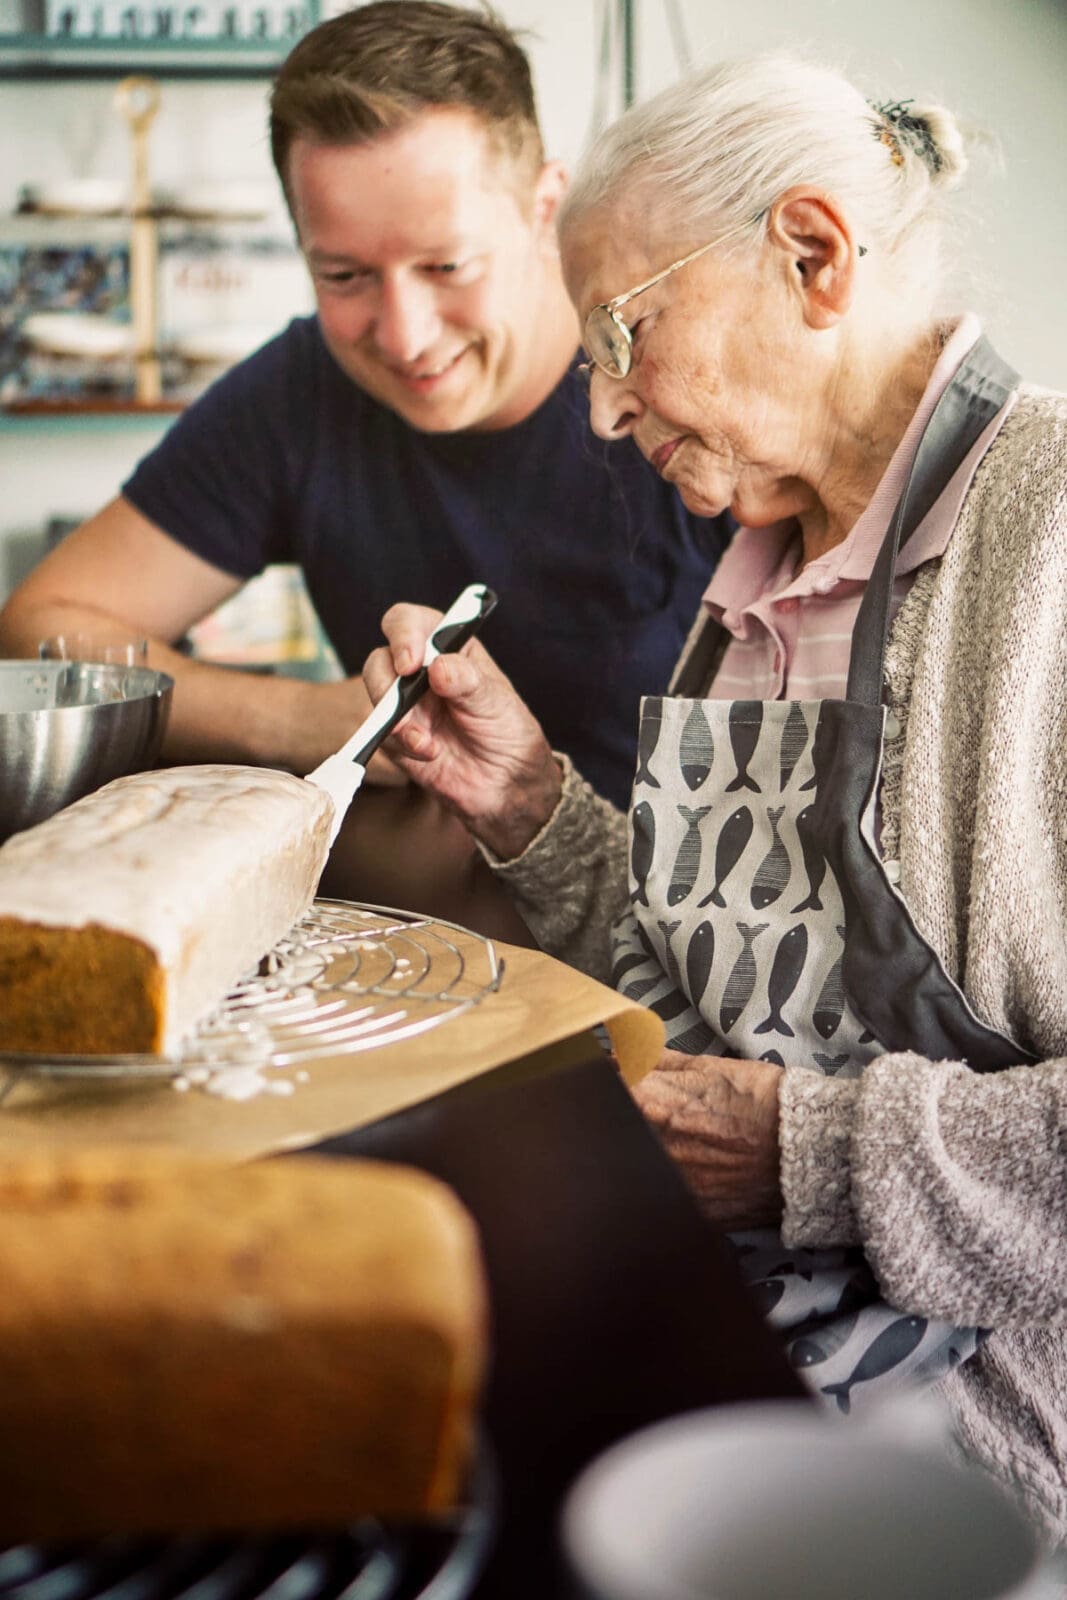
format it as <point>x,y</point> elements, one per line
<point>185,1345</point>
<point>127,916</point>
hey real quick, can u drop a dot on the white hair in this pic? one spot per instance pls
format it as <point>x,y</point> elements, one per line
<point>717,149</point>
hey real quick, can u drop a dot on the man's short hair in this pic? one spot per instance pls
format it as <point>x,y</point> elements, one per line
<point>374,69</point>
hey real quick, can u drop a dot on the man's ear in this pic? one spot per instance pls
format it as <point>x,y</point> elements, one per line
<point>549,190</point>
<point>818,251</point>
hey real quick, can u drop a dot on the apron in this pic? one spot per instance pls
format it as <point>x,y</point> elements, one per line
<point>764,924</point>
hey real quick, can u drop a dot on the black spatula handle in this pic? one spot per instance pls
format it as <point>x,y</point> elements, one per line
<point>460,622</point>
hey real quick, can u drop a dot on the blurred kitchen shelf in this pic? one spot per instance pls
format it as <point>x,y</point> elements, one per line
<point>50,416</point>
<point>102,407</point>
<point>45,229</point>
<point>33,55</point>
<point>55,229</point>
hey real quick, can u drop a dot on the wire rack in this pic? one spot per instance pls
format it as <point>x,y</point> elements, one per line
<point>345,978</point>
<point>349,1565</point>
<point>438,1560</point>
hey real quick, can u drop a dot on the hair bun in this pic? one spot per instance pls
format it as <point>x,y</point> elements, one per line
<point>930,132</point>
<point>943,146</point>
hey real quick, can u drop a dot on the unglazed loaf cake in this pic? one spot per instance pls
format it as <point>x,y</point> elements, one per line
<point>185,1345</point>
<point>127,916</point>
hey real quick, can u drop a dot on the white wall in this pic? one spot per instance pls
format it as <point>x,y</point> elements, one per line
<point>68,128</point>
<point>1002,63</point>
<point>62,469</point>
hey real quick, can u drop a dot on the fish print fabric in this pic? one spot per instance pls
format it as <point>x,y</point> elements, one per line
<point>757,919</point>
<point>840,1336</point>
<point>734,937</point>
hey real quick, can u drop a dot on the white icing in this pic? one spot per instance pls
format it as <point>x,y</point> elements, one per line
<point>209,866</point>
<point>236,1083</point>
<point>245,1083</point>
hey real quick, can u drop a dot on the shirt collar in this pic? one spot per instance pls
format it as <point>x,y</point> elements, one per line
<point>762,559</point>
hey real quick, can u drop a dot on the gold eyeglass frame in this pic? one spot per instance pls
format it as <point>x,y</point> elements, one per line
<point>605,327</point>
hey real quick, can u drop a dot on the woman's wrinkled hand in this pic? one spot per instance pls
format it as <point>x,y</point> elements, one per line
<point>718,1119</point>
<point>470,740</point>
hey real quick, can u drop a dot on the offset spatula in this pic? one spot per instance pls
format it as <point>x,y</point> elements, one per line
<point>342,773</point>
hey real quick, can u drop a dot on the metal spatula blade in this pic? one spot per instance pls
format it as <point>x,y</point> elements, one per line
<point>342,773</point>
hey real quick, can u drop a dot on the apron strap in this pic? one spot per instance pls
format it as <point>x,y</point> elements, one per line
<point>979,390</point>
<point>704,649</point>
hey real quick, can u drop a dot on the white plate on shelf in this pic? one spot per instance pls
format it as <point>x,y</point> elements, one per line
<point>76,197</point>
<point>78,333</point>
<point>222,344</point>
<point>225,202</point>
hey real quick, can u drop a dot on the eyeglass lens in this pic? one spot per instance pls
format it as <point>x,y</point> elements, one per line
<point>608,342</point>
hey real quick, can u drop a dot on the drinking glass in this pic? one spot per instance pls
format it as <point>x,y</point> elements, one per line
<point>108,647</point>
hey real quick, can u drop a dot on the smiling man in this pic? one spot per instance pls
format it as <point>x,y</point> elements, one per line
<point>425,429</point>
<point>429,266</point>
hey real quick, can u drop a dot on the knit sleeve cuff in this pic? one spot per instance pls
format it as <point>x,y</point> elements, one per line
<point>574,830</point>
<point>816,1119</point>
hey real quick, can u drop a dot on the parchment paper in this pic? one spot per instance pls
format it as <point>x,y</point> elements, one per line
<point>539,1003</point>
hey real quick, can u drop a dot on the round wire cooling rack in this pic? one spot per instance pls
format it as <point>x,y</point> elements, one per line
<point>439,1558</point>
<point>345,978</point>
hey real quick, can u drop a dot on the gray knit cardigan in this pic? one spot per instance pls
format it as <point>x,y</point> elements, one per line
<point>954,1183</point>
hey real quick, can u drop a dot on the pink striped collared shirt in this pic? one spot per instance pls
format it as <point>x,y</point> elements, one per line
<point>792,631</point>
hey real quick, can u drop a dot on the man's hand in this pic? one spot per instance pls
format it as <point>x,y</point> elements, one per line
<point>718,1118</point>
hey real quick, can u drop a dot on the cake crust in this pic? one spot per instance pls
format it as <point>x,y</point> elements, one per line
<point>186,1346</point>
<point>127,916</point>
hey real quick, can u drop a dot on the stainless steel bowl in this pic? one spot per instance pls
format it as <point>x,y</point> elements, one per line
<point>66,727</point>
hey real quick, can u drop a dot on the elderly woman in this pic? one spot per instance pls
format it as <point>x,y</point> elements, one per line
<point>844,887</point>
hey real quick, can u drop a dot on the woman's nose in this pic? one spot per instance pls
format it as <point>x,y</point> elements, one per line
<point>407,324</point>
<point>614,408</point>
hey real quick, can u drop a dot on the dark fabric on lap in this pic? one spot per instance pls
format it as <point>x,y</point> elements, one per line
<point>613,1303</point>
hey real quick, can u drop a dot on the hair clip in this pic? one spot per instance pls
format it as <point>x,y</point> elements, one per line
<point>898,127</point>
<point>893,110</point>
<point>887,137</point>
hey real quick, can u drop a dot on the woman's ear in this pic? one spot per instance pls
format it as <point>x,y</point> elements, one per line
<point>818,250</point>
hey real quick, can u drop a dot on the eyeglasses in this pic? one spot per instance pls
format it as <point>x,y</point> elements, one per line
<point>607,338</point>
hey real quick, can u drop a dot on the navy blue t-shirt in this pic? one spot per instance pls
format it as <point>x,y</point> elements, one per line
<point>598,566</point>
